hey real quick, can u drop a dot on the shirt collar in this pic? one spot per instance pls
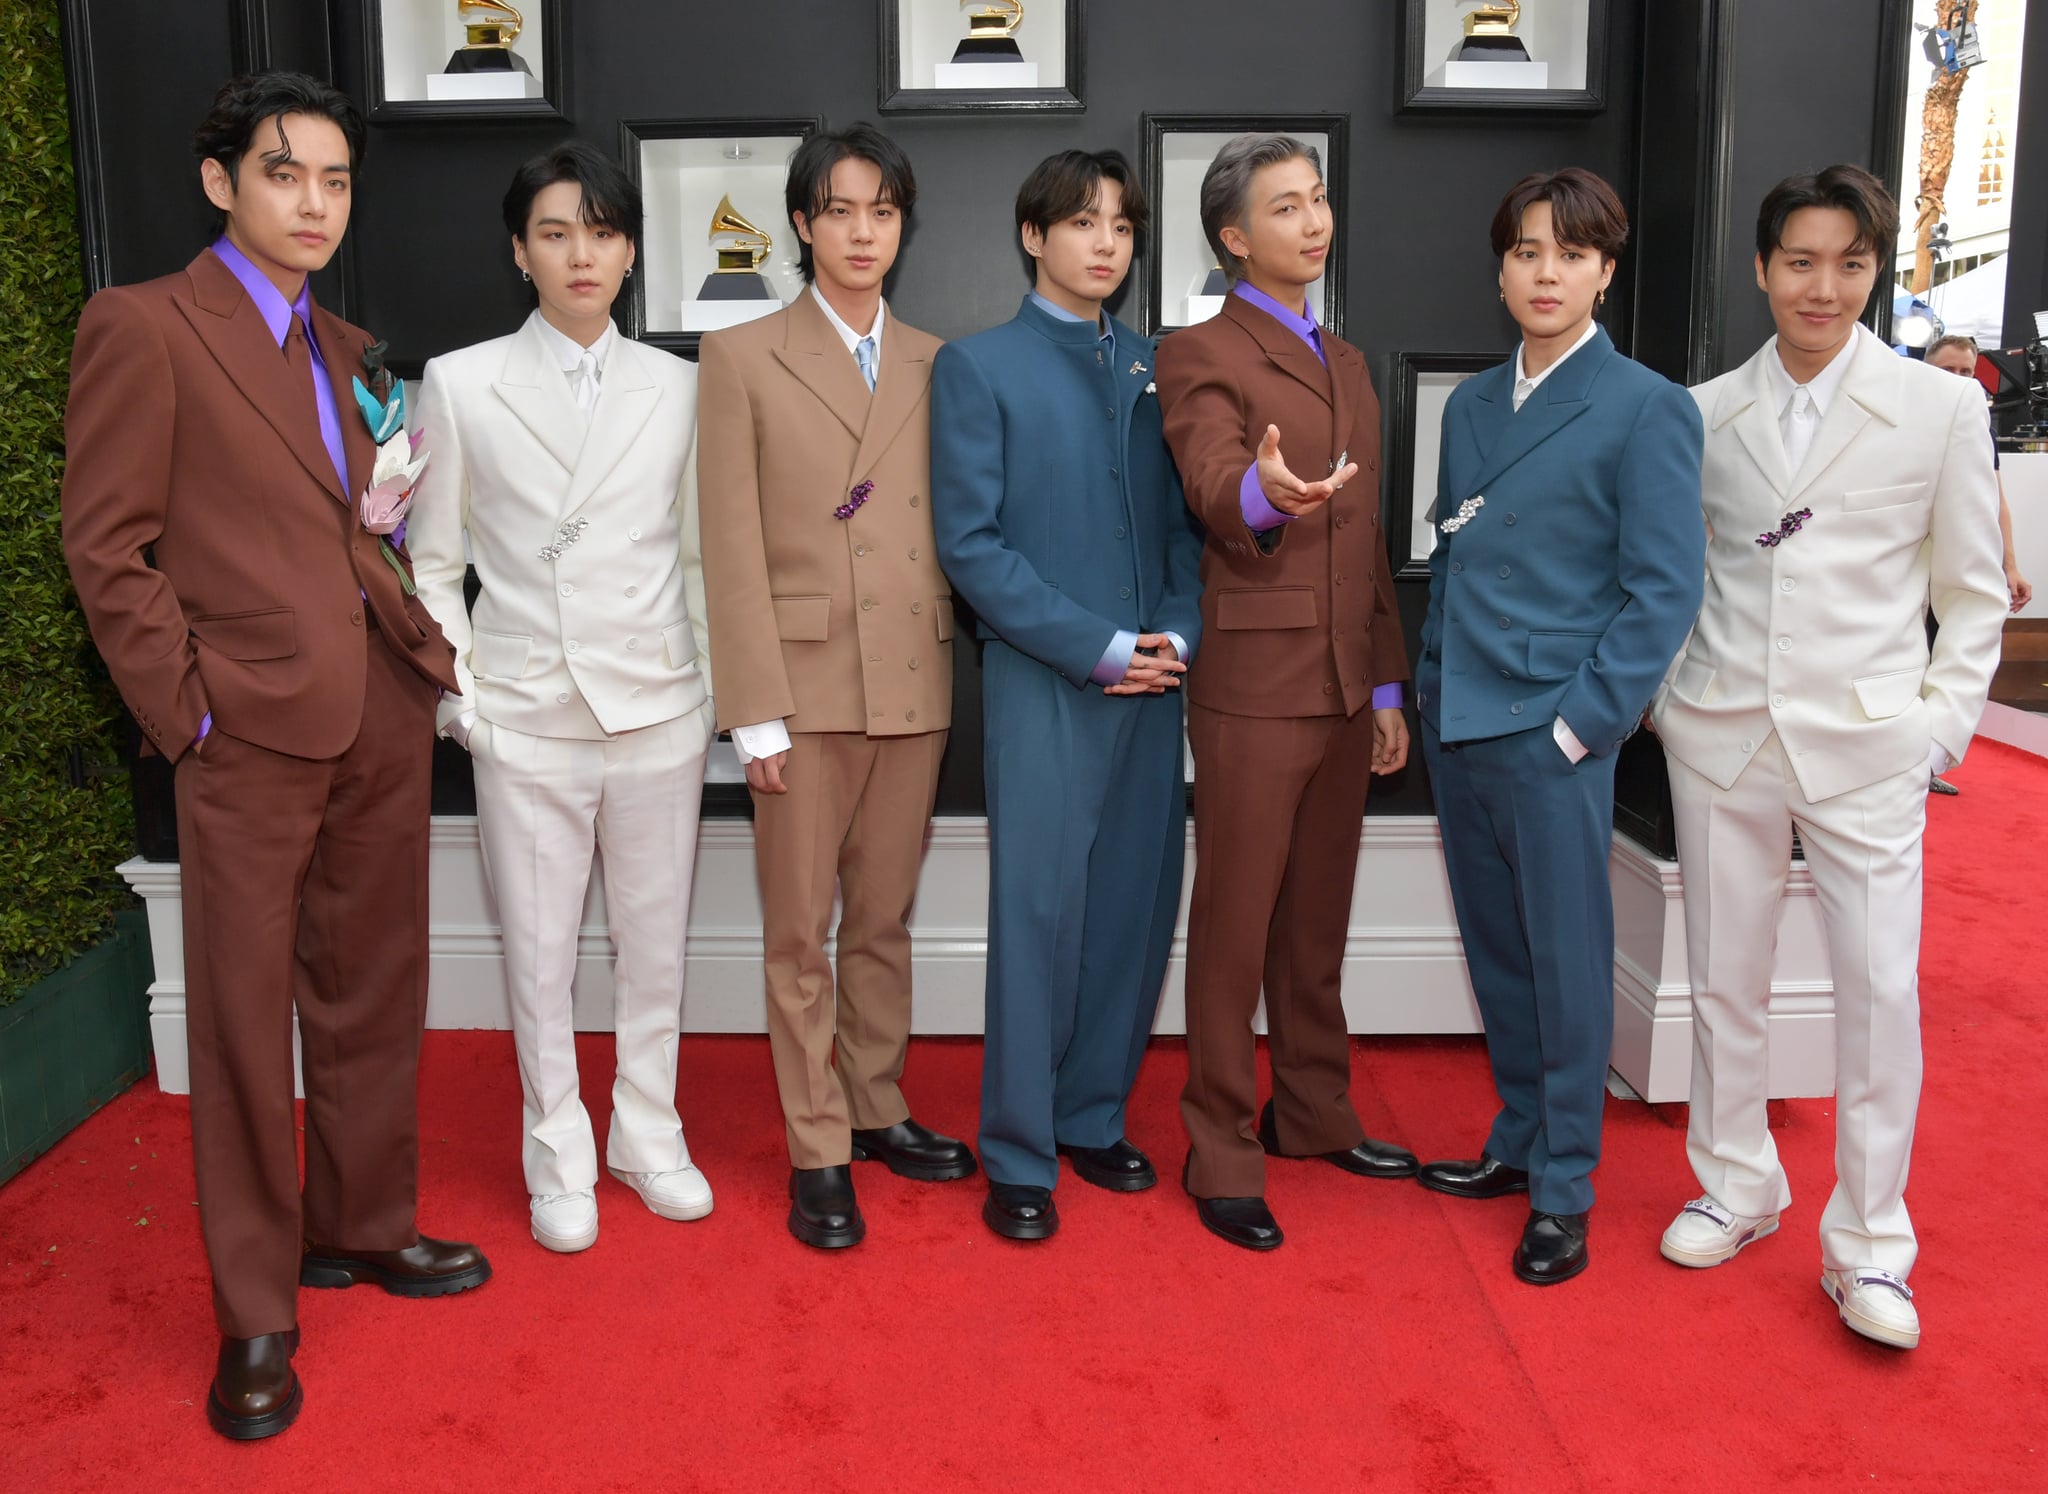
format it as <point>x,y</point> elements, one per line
<point>568,352</point>
<point>276,311</point>
<point>1053,309</point>
<point>1535,381</point>
<point>1821,388</point>
<point>1303,327</point>
<point>846,334</point>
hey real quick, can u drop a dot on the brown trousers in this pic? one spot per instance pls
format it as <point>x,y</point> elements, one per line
<point>305,884</point>
<point>854,818</point>
<point>1278,803</point>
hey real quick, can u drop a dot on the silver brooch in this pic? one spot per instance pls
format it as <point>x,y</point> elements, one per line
<point>1138,368</point>
<point>1343,457</point>
<point>566,536</point>
<point>1464,515</point>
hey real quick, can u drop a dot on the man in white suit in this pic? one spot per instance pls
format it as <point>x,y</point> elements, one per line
<point>564,453</point>
<point>1847,490</point>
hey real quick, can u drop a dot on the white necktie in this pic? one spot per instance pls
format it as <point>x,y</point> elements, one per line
<point>1799,436</point>
<point>1523,389</point>
<point>864,354</point>
<point>585,380</point>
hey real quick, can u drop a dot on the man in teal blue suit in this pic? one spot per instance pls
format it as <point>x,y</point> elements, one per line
<point>1569,564</point>
<point>1060,519</point>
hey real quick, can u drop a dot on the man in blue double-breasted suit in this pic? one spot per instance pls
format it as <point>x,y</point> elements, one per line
<point>1568,568</point>
<point>1060,519</point>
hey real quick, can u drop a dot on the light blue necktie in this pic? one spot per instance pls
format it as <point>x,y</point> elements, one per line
<point>864,353</point>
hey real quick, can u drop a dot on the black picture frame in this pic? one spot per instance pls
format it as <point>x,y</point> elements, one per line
<point>1153,130</point>
<point>1405,443</point>
<point>1418,95</point>
<point>553,18</point>
<point>634,134</point>
<point>894,98</point>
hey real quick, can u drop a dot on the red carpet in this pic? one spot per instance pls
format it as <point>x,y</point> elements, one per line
<point>1386,1346</point>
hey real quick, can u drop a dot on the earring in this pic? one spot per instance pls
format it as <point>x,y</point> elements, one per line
<point>629,272</point>
<point>526,277</point>
<point>1601,300</point>
<point>1503,293</point>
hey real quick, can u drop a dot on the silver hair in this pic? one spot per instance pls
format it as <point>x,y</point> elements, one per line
<point>1226,186</point>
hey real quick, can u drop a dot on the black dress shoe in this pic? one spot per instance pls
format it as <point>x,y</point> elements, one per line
<point>821,1209</point>
<point>255,1392</point>
<point>1369,1159</point>
<point>1553,1248</point>
<point>1017,1212</point>
<point>425,1268</point>
<point>913,1151</point>
<point>1119,1167</point>
<point>1489,1177</point>
<point>1245,1222</point>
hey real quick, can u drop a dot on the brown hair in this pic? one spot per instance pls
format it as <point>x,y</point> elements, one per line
<point>1850,188</point>
<point>1584,212</point>
<point>1070,182</point>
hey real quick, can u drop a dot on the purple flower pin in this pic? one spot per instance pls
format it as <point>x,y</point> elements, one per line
<point>855,499</point>
<point>1787,527</point>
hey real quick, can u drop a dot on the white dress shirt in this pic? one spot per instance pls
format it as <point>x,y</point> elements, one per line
<point>1525,385</point>
<point>766,738</point>
<point>1802,407</point>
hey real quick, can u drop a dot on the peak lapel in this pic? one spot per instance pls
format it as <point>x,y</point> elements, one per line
<point>1344,364</point>
<point>1747,405</point>
<point>820,362</point>
<point>1282,347</point>
<point>343,354</point>
<point>535,391</point>
<point>904,379</point>
<point>625,401</point>
<point>1869,387</point>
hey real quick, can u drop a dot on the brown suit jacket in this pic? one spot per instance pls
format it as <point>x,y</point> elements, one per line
<point>834,624</point>
<point>1309,627</point>
<point>184,441</point>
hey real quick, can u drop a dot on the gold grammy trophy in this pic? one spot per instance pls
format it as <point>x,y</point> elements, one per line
<point>1490,34</point>
<point>489,48</point>
<point>741,247</point>
<point>992,33</point>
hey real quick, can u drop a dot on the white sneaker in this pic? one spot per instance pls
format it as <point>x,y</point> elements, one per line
<point>566,1221</point>
<point>1706,1234</point>
<point>673,1195</point>
<point>1875,1304</point>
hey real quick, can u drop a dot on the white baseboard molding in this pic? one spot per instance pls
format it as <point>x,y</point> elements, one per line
<point>2026,730</point>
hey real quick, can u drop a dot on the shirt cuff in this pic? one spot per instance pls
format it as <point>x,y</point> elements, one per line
<point>1387,697</point>
<point>1258,514</point>
<point>1567,739</point>
<point>1180,644</point>
<point>1938,760</point>
<point>1116,659</point>
<point>458,729</point>
<point>762,739</point>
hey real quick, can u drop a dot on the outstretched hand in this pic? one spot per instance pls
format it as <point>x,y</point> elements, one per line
<point>1284,490</point>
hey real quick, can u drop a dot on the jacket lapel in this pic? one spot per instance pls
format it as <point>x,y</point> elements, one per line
<point>820,362</point>
<point>534,389</point>
<point>1747,404</point>
<point>1558,401</point>
<point>626,398</point>
<point>1282,347</point>
<point>342,351</point>
<point>902,381</point>
<point>1870,387</point>
<point>1343,359</point>
<point>234,331</point>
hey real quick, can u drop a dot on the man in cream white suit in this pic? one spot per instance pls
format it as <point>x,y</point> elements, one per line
<point>563,452</point>
<point>1847,491</point>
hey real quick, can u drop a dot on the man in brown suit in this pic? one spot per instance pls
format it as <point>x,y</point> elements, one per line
<point>1294,698</point>
<point>273,654</point>
<point>831,628</point>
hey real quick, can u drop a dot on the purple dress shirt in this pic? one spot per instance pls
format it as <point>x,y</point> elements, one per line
<point>1259,515</point>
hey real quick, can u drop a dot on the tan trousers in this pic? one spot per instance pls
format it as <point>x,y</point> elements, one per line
<point>854,818</point>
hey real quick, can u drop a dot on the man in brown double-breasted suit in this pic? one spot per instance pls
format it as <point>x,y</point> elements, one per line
<point>269,649</point>
<point>831,628</point>
<point>1294,698</point>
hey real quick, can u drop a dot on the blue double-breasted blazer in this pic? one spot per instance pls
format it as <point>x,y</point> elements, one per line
<point>1057,508</point>
<point>1576,578</point>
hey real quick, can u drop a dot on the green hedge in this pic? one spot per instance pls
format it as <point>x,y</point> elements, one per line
<point>65,819</point>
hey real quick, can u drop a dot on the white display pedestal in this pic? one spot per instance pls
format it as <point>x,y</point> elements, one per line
<point>1404,967</point>
<point>985,75</point>
<point>1490,75</point>
<point>509,84</point>
<point>1201,308</point>
<point>711,316</point>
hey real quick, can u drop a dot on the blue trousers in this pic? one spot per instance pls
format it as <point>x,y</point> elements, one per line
<point>1526,840</point>
<point>1087,832</point>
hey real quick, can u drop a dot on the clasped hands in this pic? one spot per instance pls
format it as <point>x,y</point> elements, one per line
<point>1288,493</point>
<point>1154,669</point>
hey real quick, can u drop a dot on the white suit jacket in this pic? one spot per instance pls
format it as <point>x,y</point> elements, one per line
<point>608,635</point>
<point>1823,637</point>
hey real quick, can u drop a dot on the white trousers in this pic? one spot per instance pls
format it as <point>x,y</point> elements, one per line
<point>1863,849</point>
<point>543,803</point>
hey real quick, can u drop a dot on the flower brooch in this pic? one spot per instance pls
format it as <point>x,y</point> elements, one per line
<point>1788,526</point>
<point>1464,514</point>
<point>855,499</point>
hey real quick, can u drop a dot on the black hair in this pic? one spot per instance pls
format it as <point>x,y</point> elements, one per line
<point>611,199</point>
<point>1070,182</point>
<point>1850,188</point>
<point>246,103</point>
<point>1584,212</point>
<point>809,186</point>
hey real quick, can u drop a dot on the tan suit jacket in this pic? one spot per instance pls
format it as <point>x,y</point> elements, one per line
<point>834,624</point>
<point>1306,627</point>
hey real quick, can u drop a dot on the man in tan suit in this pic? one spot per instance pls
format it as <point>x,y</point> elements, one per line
<point>260,633</point>
<point>831,628</point>
<point>1294,698</point>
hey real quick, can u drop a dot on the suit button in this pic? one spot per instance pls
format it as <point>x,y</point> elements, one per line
<point>1119,531</point>
<point>1511,518</point>
<point>1124,592</point>
<point>632,591</point>
<point>910,715</point>
<point>1784,645</point>
<point>1777,700</point>
<point>860,549</point>
<point>1110,411</point>
<point>1338,580</point>
<point>1504,622</point>
<point>1112,472</point>
<point>913,553</point>
<point>632,643</point>
<point>913,663</point>
<point>867,604</point>
<point>1342,521</point>
<point>633,534</point>
<point>568,590</point>
<point>1747,745</point>
<point>1507,674</point>
<point>1457,568</point>
<point>356,617</point>
<point>1515,709</point>
<point>563,698</point>
<point>572,645</point>
<point>917,606</point>
<point>913,500</point>
<point>1329,689</point>
<point>1336,632</point>
<point>1504,573</point>
<point>1788,584</point>
<point>636,690</point>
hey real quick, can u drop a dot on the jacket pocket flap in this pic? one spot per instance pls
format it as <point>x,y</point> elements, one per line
<point>943,617</point>
<point>268,633</point>
<point>1868,498</point>
<point>500,656</point>
<point>1248,607</point>
<point>1693,680</point>
<point>1883,696</point>
<point>681,641</point>
<point>1554,655</point>
<point>802,619</point>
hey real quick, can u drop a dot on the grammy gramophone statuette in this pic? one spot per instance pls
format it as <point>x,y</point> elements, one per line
<point>992,33</point>
<point>741,247</point>
<point>1490,35</point>
<point>489,46</point>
